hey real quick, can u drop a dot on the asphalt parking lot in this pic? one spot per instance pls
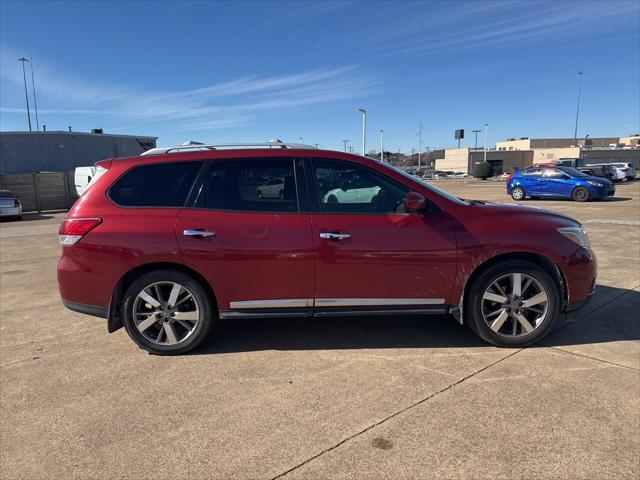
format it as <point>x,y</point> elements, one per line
<point>372,398</point>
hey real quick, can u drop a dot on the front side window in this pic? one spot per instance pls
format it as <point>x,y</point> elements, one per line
<point>344,187</point>
<point>156,185</point>
<point>553,173</point>
<point>260,185</point>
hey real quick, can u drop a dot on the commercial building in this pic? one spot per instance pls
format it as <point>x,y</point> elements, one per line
<point>461,160</point>
<point>63,151</point>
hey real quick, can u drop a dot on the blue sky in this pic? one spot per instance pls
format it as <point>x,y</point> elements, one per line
<point>250,71</point>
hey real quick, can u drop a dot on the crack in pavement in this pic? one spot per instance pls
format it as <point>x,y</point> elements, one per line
<point>395,414</point>
<point>591,358</point>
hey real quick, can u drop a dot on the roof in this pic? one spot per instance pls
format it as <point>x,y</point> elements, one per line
<point>66,132</point>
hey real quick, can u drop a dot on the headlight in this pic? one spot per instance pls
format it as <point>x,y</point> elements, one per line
<point>595,184</point>
<point>576,234</point>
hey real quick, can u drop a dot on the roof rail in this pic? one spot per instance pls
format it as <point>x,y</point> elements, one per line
<point>223,146</point>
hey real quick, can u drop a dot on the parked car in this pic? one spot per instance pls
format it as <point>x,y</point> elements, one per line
<point>167,263</point>
<point>628,169</point>
<point>10,206</point>
<point>272,188</point>
<point>563,182</point>
<point>602,171</point>
<point>617,174</point>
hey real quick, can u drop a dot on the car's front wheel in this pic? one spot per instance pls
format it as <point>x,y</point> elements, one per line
<point>580,194</point>
<point>517,193</point>
<point>167,312</point>
<point>513,304</point>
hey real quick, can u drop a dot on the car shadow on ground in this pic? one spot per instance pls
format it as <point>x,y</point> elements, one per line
<point>427,332</point>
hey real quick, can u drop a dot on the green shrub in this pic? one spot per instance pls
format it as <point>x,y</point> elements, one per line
<point>482,170</point>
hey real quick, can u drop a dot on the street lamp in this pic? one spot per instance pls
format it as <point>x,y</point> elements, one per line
<point>475,146</point>
<point>26,96</point>
<point>381,146</point>
<point>364,130</point>
<point>575,132</point>
<point>486,129</point>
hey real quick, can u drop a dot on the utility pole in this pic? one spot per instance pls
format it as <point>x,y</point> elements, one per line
<point>345,144</point>
<point>420,146</point>
<point>35,103</point>
<point>575,132</point>
<point>381,146</point>
<point>364,130</point>
<point>486,129</point>
<point>475,146</point>
<point>26,95</point>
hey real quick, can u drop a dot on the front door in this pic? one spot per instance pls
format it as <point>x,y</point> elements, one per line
<point>252,244</point>
<point>370,254</point>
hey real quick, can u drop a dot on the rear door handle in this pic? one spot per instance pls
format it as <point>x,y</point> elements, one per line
<point>198,233</point>
<point>334,236</point>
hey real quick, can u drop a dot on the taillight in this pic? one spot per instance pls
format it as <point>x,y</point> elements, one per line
<point>71,231</point>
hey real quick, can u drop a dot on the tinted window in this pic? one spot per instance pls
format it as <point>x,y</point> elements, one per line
<point>344,187</point>
<point>157,185</point>
<point>553,173</point>
<point>573,172</point>
<point>532,172</point>
<point>6,194</point>
<point>260,185</point>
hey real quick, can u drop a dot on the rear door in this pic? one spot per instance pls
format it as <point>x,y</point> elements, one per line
<point>532,181</point>
<point>253,247</point>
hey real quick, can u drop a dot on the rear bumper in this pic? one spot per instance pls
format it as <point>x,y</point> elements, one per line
<point>10,211</point>
<point>93,310</point>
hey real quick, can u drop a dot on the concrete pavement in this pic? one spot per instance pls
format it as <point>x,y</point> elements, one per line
<point>323,398</point>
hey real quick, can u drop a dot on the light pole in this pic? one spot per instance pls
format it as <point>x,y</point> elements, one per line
<point>345,144</point>
<point>35,103</point>
<point>301,139</point>
<point>486,129</point>
<point>364,130</point>
<point>575,132</point>
<point>420,146</point>
<point>381,146</point>
<point>475,146</point>
<point>26,96</point>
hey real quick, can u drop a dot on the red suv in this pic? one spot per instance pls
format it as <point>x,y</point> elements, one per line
<point>169,242</point>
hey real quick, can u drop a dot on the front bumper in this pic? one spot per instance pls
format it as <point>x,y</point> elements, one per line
<point>580,273</point>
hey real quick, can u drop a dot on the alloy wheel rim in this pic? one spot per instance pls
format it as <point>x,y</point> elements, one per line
<point>166,313</point>
<point>515,305</point>
<point>517,193</point>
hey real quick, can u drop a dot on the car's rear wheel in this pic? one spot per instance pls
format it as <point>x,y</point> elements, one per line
<point>580,194</point>
<point>167,312</point>
<point>513,304</point>
<point>517,193</point>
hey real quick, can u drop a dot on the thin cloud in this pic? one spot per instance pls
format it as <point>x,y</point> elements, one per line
<point>222,105</point>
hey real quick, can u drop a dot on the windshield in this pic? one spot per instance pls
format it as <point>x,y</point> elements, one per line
<point>434,189</point>
<point>572,171</point>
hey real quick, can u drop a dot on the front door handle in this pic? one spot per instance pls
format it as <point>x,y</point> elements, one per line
<point>198,233</point>
<point>334,236</point>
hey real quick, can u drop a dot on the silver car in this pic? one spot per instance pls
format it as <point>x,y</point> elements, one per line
<point>10,206</point>
<point>627,168</point>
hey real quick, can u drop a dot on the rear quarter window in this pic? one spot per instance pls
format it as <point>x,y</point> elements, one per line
<point>156,185</point>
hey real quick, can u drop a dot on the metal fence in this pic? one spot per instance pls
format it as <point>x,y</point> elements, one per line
<point>40,191</point>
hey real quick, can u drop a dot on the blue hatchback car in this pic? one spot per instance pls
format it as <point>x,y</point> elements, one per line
<point>564,182</point>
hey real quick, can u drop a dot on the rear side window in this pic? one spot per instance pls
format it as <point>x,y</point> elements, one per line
<point>252,185</point>
<point>157,185</point>
<point>532,172</point>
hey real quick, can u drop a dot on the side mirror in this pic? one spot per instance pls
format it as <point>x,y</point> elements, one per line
<point>414,202</point>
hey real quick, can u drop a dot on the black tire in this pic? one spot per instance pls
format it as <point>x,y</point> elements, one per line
<point>332,199</point>
<point>518,193</point>
<point>580,194</point>
<point>473,315</point>
<point>208,314</point>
